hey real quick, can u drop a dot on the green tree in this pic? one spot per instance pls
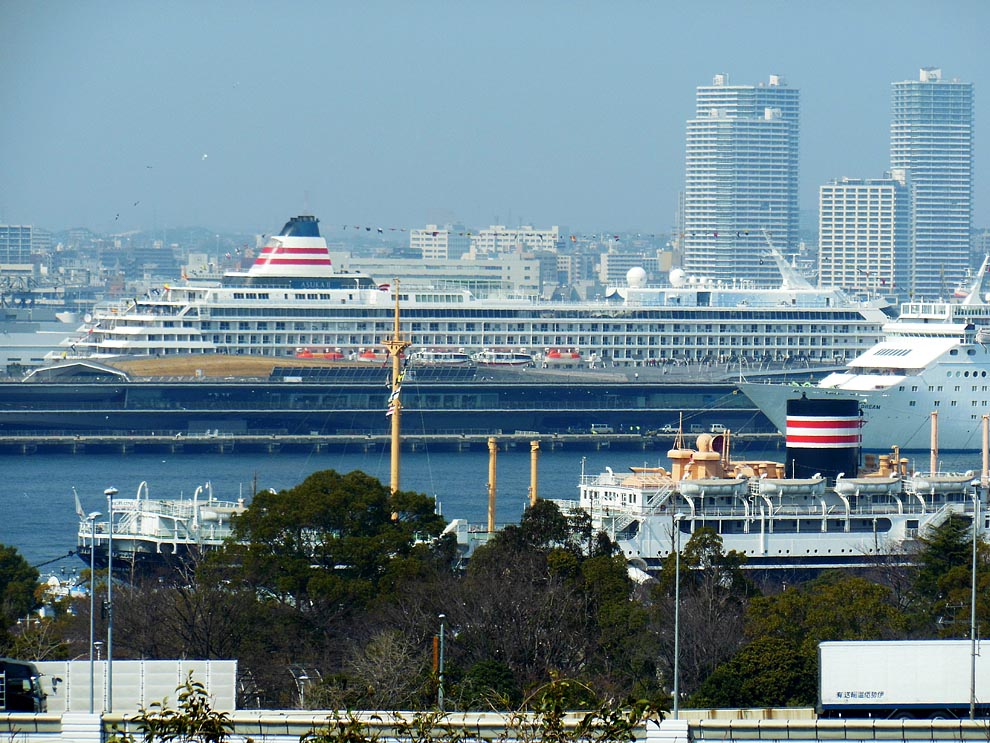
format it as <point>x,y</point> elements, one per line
<point>625,651</point>
<point>714,596</point>
<point>18,583</point>
<point>767,672</point>
<point>941,589</point>
<point>489,684</point>
<point>779,664</point>
<point>334,542</point>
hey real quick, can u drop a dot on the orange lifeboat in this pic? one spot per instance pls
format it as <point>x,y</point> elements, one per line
<point>565,357</point>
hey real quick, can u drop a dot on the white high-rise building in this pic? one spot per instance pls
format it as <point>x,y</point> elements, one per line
<point>741,184</point>
<point>931,137</point>
<point>863,243</point>
<point>440,243</point>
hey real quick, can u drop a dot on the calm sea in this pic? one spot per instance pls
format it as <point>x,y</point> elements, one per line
<point>37,509</point>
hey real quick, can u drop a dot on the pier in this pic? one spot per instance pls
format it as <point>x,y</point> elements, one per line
<point>271,443</point>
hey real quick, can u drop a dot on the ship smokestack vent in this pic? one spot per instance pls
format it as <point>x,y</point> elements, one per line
<point>823,436</point>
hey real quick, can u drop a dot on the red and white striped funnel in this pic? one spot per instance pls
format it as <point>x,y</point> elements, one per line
<point>298,250</point>
<point>823,437</point>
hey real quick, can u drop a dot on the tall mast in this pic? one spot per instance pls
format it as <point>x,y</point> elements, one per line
<point>396,345</point>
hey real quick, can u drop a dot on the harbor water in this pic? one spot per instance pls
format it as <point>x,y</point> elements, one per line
<point>37,508</point>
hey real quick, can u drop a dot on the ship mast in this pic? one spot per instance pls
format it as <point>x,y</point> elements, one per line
<point>396,345</point>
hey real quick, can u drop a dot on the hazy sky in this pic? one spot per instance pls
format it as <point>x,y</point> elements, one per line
<point>236,115</point>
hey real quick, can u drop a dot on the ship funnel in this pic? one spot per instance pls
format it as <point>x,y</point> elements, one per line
<point>298,250</point>
<point>822,436</point>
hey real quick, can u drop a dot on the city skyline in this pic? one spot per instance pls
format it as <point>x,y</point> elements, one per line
<point>233,116</point>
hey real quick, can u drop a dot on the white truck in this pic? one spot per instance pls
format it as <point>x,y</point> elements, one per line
<point>902,679</point>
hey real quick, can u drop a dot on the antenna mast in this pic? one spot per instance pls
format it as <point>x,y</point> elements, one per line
<point>396,345</point>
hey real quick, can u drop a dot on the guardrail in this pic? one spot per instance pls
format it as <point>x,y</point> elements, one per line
<point>287,726</point>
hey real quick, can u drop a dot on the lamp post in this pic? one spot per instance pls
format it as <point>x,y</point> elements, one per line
<point>110,493</point>
<point>92,517</point>
<point>440,668</point>
<point>302,690</point>
<point>972,604</point>
<point>677,613</point>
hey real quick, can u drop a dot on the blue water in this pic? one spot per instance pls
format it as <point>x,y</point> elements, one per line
<point>37,510</point>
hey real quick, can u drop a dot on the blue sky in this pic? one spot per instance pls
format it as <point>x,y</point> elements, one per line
<point>235,115</point>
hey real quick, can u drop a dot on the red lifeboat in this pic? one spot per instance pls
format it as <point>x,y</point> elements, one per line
<point>563,357</point>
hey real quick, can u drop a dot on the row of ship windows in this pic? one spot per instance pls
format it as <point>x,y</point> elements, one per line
<point>457,341</point>
<point>627,328</point>
<point>774,316</point>
<point>535,340</point>
<point>953,403</point>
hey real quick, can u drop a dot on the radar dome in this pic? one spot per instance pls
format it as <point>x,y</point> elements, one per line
<point>635,276</point>
<point>677,277</point>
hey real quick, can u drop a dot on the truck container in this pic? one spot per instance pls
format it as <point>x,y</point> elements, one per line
<point>136,683</point>
<point>902,679</point>
<point>20,687</point>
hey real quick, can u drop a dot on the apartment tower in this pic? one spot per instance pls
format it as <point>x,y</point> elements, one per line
<point>863,241</point>
<point>741,183</point>
<point>931,138</point>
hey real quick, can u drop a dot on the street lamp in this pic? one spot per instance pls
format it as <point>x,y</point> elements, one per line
<point>972,604</point>
<point>440,668</point>
<point>110,493</point>
<point>677,612</point>
<point>92,517</point>
<point>302,690</point>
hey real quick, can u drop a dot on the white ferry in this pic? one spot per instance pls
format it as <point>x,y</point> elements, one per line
<point>442,357</point>
<point>776,520</point>
<point>292,298</point>
<point>935,358</point>
<point>503,357</point>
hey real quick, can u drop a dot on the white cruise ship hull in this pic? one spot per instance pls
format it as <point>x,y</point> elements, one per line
<point>935,358</point>
<point>292,298</point>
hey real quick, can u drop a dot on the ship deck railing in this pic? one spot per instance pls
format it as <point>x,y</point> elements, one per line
<point>172,508</point>
<point>808,511</point>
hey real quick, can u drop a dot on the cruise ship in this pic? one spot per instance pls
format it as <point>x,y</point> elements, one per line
<point>816,510</point>
<point>292,299</point>
<point>935,358</point>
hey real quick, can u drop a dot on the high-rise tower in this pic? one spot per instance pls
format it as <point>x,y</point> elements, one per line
<point>863,239</point>
<point>931,137</point>
<point>741,179</point>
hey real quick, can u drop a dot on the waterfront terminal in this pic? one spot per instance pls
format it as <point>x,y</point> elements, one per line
<point>84,404</point>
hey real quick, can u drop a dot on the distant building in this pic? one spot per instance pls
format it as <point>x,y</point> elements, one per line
<point>483,277</point>
<point>499,239</point>
<point>741,179</point>
<point>931,137</point>
<point>863,234</point>
<point>614,267</point>
<point>15,248</point>
<point>440,243</point>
